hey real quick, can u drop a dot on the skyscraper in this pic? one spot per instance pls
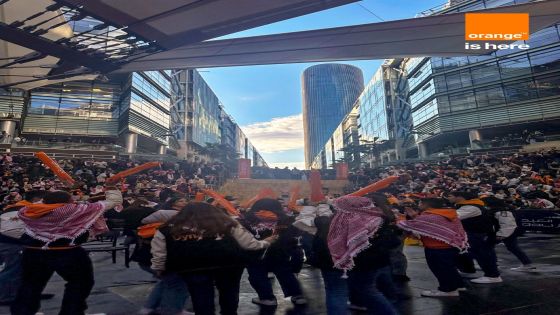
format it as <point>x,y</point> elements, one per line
<point>328,91</point>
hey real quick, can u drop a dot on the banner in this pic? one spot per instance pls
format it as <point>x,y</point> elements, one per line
<point>244,168</point>
<point>341,170</point>
<point>316,186</point>
<point>538,220</point>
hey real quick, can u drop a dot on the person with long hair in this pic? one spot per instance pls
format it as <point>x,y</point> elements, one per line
<point>206,247</point>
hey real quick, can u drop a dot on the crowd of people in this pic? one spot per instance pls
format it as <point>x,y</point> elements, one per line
<point>193,244</point>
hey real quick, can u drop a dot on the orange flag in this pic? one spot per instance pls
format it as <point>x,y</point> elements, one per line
<point>266,192</point>
<point>221,201</point>
<point>294,195</point>
<point>131,171</point>
<point>316,187</point>
<point>381,184</point>
<point>55,168</point>
<point>199,197</point>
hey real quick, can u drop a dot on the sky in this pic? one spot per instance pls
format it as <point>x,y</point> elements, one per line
<point>266,100</point>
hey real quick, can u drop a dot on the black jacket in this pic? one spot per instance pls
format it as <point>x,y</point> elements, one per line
<point>199,255</point>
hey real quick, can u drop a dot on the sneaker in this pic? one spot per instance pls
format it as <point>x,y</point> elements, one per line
<point>525,268</point>
<point>356,307</point>
<point>298,300</point>
<point>438,293</point>
<point>484,280</point>
<point>462,289</point>
<point>264,302</point>
<point>186,313</point>
<point>468,275</point>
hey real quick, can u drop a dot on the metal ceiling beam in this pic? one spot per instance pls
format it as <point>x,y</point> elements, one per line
<point>67,55</point>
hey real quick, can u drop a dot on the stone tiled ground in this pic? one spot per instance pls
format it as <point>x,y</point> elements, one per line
<point>121,291</point>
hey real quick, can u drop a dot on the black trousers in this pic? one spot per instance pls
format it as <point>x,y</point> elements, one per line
<point>201,287</point>
<point>73,265</point>
<point>442,264</point>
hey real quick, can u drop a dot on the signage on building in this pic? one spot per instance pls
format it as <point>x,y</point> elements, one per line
<point>492,27</point>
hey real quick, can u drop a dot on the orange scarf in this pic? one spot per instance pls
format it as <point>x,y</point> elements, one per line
<point>37,210</point>
<point>266,215</point>
<point>21,203</point>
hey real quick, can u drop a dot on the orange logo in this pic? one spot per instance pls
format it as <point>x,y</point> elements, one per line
<point>496,26</point>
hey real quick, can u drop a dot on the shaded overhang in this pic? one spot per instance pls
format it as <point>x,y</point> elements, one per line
<point>125,36</point>
<point>440,35</point>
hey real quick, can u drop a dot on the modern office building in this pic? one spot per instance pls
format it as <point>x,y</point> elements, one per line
<point>198,117</point>
<point>336,150</point>
<point>131,111</point>
<point>328,92</point>
<point>384,120</point>
<point>460,103</point>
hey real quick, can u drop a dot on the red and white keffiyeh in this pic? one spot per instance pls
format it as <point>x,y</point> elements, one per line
<point>356,221</point>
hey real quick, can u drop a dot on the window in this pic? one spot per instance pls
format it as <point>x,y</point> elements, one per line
<point>549,85</point>
<point>520,91</point>
<point>545,60</point>
<point>490,96</point>
<point>462,101</point>
<point>443,104</point>
<point>422,94</point>
<point>425,112</point>
<point>485,73</point>
<point>543,37</point>
<point>459,79</point>
<point>514,67</point>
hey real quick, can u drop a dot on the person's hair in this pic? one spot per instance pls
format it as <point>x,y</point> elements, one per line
<point>380,201</point>
<point>494,203</point>
<point>203,218</point>
<point>268,204</point>
<point>434,202</point>
<point>169,204</point>
<point>463,194</point>
<point>140,202</point>
<point>35,194</point>
<point>57,197</point>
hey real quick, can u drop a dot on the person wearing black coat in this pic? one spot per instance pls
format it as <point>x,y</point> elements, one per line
<point>266,218</point>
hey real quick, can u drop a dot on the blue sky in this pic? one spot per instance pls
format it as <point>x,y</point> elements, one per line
<point>266,100</point>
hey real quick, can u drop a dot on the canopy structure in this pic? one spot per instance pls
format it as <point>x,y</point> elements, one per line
<point>47,41</point>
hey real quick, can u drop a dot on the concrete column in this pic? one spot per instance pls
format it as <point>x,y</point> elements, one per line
<point>162,149</point>
<point>474,137</point>
<point>422,150</point>
<point>9,127</point>
<point>131,142</point>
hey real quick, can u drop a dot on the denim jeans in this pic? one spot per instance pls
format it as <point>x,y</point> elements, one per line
<point>513,247</point>
<point>201,287</point>
<point>73,265</point>
<point>10,271</point>
<point>258,277</point>
<point>168,295</point>
<point>442,264</point>
<point>362,284</point>
<point>482,249</point>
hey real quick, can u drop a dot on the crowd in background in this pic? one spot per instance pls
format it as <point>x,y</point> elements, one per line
<point>459,208</point>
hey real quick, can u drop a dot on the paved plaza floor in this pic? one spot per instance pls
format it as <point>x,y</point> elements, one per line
<point>121,291</point>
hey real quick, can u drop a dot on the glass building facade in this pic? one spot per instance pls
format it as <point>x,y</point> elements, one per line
<point>205,113</point>
<point>478,93</point>
<point>329,91</point>
<point>74,109</point>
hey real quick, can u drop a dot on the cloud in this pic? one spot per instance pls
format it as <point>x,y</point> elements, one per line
<point>277,135</point>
